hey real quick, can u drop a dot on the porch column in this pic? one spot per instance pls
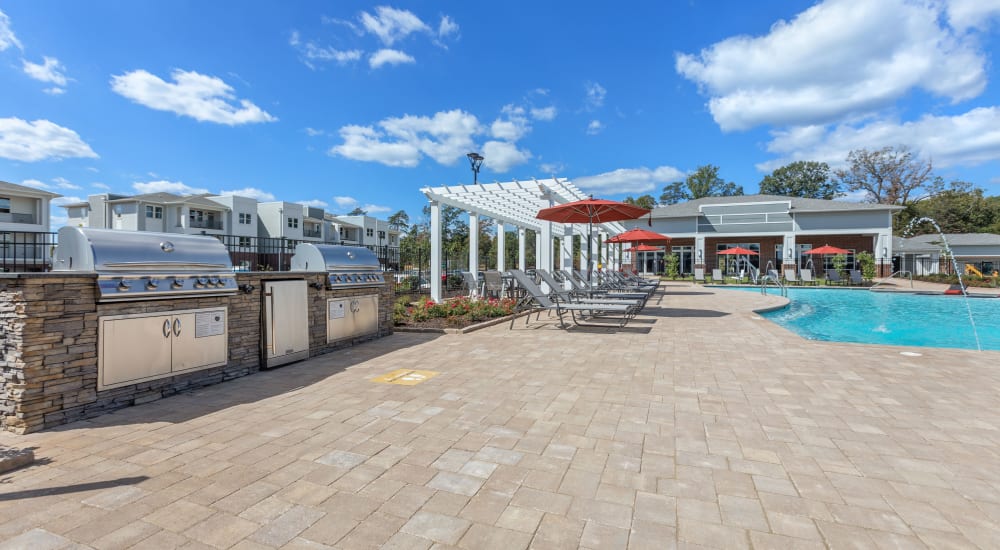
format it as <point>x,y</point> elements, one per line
<point>700,254</point>
<point>883,253</point>
<point>435,251</point>
<point>474,244</point>
<point>501,247</point>
<point>522,255</point>
<point>788,256</point>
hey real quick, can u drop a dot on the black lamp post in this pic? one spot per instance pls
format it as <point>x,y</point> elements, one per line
<point>476,160</point>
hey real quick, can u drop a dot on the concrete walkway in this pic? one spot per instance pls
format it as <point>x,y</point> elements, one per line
<point>699,425</point>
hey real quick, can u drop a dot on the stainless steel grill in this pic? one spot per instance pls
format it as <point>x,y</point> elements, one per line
<point>139,265</point>
<point>346,266</point>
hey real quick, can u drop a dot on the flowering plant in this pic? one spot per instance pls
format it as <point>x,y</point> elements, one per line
<point>457,311</point>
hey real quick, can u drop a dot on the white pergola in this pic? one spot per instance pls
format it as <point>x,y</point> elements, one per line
<point>514,203</point>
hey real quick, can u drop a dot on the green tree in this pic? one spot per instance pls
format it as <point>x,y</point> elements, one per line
<point>805,179</point>
<point>890,175</point>
<point>957,207</point>
<point>867,263</point>
<point>399,221</point>
<point>643,201</point>
<point>358,211</point>
<point>703,182</point>
<point>672,265</point>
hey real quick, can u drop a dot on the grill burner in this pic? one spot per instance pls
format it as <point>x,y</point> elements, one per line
<point>139,265</point>
<point>346,266</point>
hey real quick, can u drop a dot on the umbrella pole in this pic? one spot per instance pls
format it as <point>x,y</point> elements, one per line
<point>590,253</point>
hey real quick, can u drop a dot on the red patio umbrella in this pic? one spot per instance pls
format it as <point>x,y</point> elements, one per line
<point>639,235</point>
<point>827,249</point>
<point>591,211</point>
<point>646,248</point>
<point>739,250</point>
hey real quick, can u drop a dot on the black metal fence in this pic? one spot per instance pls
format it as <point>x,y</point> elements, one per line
<point>32,251</point>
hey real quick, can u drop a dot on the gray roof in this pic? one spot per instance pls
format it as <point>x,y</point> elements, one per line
<point>8,187</point>
<point>170,198</point>
<point>691,208</point>
<point>933,241</point>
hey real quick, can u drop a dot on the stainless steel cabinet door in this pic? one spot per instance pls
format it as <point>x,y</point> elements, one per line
<point>351,317</point>
<point>134,349</point>
<point>200,339</point>
<point>286,321</point>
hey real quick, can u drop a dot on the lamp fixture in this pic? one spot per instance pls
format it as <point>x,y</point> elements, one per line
<point>476,160</point>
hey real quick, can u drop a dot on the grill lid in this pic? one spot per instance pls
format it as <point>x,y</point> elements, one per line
<point>112,251</point>
<point>333,258</point>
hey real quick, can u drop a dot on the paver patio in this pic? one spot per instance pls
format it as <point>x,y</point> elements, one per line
<point>699,425</point>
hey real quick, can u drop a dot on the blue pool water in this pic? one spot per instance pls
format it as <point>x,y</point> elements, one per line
<point>889,318</point>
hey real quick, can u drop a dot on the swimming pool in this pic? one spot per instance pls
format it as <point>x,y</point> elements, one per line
<point>896,319</point>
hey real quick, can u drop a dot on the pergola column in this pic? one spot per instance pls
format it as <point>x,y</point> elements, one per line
<point>435,251</point>
<point>474,244</point>
<point>566,259</point>
<point>522,254</point>
<point>592,257</point>
<point>501,247</point>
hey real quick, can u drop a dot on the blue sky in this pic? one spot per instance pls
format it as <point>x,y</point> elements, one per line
<point>344,104</point>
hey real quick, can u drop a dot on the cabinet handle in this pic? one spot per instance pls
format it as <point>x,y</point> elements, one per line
<point>270,336</point>
<point>177,327</point>
<point>166,328</point>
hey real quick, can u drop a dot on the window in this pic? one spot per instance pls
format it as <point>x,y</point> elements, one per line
<point>293,223</point>
<point>5,205</point>
<point>244,241</point>
<point>370,232</point>
<point>154,212</point>
<point>246,219</point>
<point>381,235</point>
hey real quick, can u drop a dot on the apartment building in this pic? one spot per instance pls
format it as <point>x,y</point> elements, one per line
<point>25,241</point>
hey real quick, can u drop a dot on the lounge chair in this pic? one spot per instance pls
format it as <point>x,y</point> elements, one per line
<point>554,303</point>
<point>559,289</point>
<point>581,288</point>
<point>471,284</point>
<point>790,277</point>
<point>717,276</point>
<point>493,285</point>
<point>833,277</point>
<point>807,277</point>
<point>699,275</point>
<point>856,278</point>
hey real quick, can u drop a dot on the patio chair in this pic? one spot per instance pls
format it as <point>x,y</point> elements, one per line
<point>806,275</point>
<point>471,284</point>
<point>559,289</point>
<point>554,303</point>
<point>493,284</point>
<point>856,278</point>
<point>833,277</point>
<point>699,275</point>
<point>717,276</point>
<point>790,277</point>
<point>581,288</point>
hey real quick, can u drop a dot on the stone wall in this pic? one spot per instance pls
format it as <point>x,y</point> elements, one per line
<point>49,347</point>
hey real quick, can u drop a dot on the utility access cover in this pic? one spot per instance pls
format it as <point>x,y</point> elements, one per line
<point>405,377</point>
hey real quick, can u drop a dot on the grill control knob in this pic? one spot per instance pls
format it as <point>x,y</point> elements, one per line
<point>213,281</point>
<point>177,284</point>
<point>152,283</point>
<point>124,286</point>
<point>200,282</point>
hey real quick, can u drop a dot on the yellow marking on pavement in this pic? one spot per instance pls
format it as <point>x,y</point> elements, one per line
<point>405,377</point>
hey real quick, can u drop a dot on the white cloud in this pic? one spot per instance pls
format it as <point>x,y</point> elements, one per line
<point>315,203</point>
<point>7,38</point>
<point>54,90</point>
<point>965,14</point>
<point>513,126</point>
<point>201,97</point>
<point>552,167</point>
<point>319,53</point>
<point>630,180</point>
<point>59,201</point>
<point>40,140</point>
<point>387,56</point>
<point>391,24</point>
<point>373,209</point>
<point>50,70</point>
<point>63,183</point>
<point>595,94</point>
<point>313,132</point>
<point>967,139</point>
<point>36,184</point>
<point>544,113</point>
<point>345,202</point>
<point>447,27</point>
<point>837,59</point>
<point>163,186</point>
<point>501,156</point>
<point>102,186</point>
<point>595,127</point>
<point>250,192</point>
<point>445,137</point>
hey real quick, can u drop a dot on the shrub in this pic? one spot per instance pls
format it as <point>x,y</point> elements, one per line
<point>867,263</point>
<point>455,312</point>
<point>672,263</point>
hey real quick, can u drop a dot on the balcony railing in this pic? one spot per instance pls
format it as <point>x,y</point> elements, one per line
<point>312,233</point>
<point>205,224</point>
<point>10,217</point>
<point>25,251</point>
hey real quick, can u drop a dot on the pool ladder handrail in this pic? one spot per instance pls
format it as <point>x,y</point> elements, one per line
<point>901,273</point>
<point>772,276</point>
